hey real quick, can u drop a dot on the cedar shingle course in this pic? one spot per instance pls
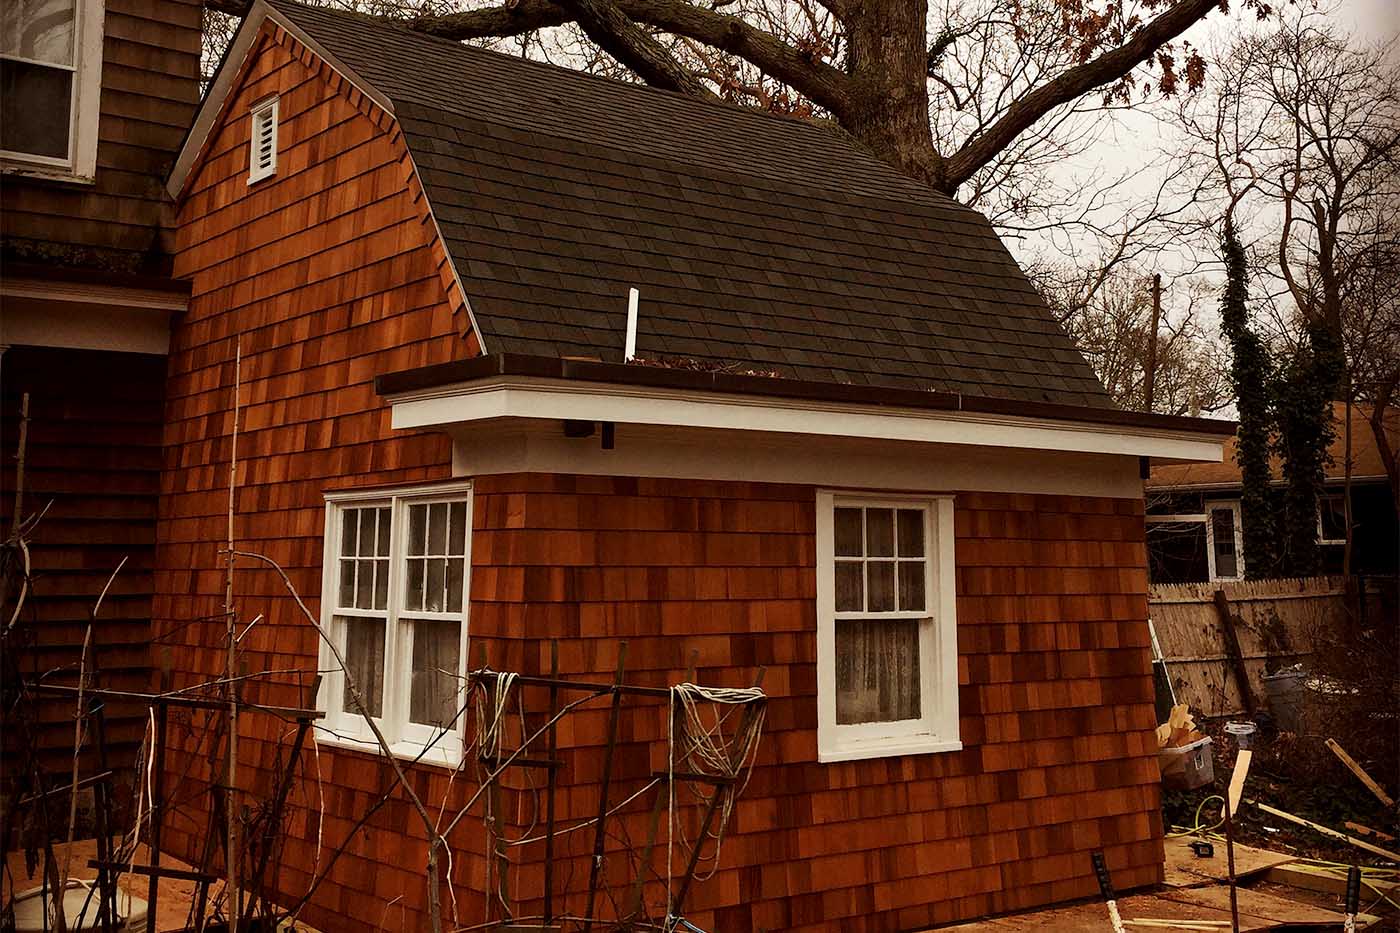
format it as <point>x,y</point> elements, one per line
<point>778,244</point>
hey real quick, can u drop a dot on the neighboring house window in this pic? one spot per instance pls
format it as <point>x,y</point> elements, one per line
<point>50,85</point>
<point>887,673</point>
<point>394,600</point>
<point>1332,518</point>
<point>262,141</point>
<point>1225,540</point>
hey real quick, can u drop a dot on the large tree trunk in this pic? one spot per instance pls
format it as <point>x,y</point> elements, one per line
<point>887,59</point>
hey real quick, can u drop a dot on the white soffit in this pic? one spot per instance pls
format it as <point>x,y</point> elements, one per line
<point>520,398</point>
<point>140,326</point>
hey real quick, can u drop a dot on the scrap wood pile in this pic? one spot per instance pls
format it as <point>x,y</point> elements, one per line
<point>1348,845</point>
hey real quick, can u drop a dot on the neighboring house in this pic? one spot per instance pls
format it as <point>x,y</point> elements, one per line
<point>97,97</point>
<point>1195,530</point>
<point>873,465</point>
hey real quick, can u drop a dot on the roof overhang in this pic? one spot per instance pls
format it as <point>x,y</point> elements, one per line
<point>89,311</point>
<point>504,388</point>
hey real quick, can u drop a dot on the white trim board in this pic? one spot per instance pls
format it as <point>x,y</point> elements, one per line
<point>523,398</point>
<point>851,463</point>
<point>132,328</point>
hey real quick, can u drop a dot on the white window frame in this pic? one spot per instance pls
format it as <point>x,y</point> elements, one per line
<point>1233,505</point>
<point>84,108</point>
<point>267,107</point>
<point>424,743</point>
<point>1325,494</point>
<point>937,729</point>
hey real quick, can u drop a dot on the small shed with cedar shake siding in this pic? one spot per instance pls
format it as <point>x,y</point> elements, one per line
<point>98,95</point>
<point>864,458</point>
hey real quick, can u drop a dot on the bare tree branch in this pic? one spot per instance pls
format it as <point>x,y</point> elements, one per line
<point>1107,67</point>
<point>624,40</point>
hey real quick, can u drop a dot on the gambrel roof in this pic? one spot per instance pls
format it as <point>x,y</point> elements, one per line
<point>776,244</point>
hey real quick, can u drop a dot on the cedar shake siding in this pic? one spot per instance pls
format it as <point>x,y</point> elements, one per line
<point>92,466</point>
<point>330,274</point>
<point>334,270</point>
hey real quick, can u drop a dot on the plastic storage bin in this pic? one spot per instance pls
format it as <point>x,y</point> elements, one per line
<point>1188,766</point>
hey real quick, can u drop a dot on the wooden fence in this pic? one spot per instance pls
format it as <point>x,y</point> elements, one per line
<point>1273,623</point>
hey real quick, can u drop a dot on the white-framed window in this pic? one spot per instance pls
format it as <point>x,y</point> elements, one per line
<point>887,667</point>
<point>50,87</point>
<point>1332,518</point>
<point>1224,540</point>
<point>262,140</point>
<point>395,600</point>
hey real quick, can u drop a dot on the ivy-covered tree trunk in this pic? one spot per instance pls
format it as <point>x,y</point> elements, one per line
<point>1252,377</point>
<point>1306,390</point>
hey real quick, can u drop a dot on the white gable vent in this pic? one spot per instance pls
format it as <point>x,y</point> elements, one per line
<point>262,153</point>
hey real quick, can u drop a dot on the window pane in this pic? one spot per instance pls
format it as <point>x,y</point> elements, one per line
<point>369,522</point>
<point>364,585</point>
<point>413,599</point>
<point>364,660</point>
<point>849,539</point>
<point>1334,518</point>
<point>381,584</point>
<point>880,577</point>
<point>435,592</point>
<point>457,536</point>
<point>34,109</point>
<point>437,528</point>
<point>877,671</point>
<point>349,531</point>
<point>1223,530</point>
<point>850,586</point>
<point>911,533</point>
<point>433,690</point>
<point>417,528</point>
<point>41,30</point>
<point>911,585</point>
<point>347,583</point>
<point>879,532</point>
<point>456,579</point>
<point>385,515</point>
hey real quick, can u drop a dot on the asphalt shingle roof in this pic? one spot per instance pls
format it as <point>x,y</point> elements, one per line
<point>776,244</point>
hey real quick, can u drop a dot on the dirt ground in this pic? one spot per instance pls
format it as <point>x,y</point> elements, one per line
<point>172,903</point>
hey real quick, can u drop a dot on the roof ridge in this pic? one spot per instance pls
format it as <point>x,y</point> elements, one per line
<point>402,27</point>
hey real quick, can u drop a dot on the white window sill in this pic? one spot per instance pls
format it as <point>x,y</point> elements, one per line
<point>886,748</point>
<point>44,172</point>
<point>445,752</point>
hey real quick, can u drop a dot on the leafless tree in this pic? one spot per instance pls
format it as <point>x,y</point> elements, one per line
<point>1299,143</point>
<point>1112,325</point>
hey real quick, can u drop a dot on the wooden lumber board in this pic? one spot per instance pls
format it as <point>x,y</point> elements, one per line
<point>1092,916</point>
<point>1328,831</point>
<point>1183,869</point>
<point>1257,904</point>
<point>1360,773</point>
<point>1318,878</point>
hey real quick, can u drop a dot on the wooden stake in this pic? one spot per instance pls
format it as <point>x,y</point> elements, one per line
<point>1232,648</point>
<point>234,907</point>
<point>1237,777</point>
<point>1360,773</point>
<point>19,462</point>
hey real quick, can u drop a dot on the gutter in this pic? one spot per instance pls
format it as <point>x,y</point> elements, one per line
<point>539,367</point>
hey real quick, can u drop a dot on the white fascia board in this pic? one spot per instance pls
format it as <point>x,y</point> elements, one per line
<point>95,293</point>
<point>512,398</point>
